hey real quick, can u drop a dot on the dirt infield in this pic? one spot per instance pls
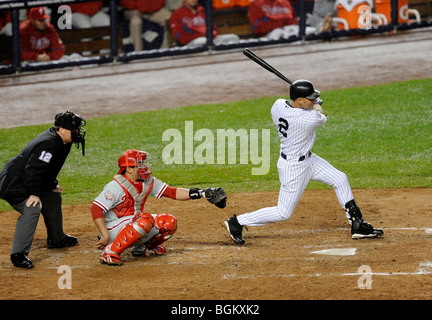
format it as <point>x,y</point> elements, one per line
<point>276,263</point>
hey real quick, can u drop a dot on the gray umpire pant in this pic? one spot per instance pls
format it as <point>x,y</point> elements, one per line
<point>27,222</point>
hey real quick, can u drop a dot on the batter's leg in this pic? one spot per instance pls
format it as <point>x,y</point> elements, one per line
<point>294,177</point>
<point>287,202</point>
<point>324,172</point>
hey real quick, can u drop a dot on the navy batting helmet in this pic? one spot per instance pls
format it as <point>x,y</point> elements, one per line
<point>303,89</point>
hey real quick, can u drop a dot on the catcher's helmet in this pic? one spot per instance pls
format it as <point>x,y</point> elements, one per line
<point>136,158</point>
<point>303,89</point>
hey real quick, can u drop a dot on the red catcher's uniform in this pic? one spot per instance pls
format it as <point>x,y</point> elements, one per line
<point>267,15</point>
<point>187,26</point>
<point>144,6</point>
<point>87,8</point>
<point>35,42</point>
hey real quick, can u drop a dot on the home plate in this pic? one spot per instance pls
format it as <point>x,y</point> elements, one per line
<point>337,252</point>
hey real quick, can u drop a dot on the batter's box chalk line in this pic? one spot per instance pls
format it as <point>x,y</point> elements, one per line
<point>425,268</point>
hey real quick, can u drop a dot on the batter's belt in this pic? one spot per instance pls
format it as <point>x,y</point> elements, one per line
<point>302,158</point>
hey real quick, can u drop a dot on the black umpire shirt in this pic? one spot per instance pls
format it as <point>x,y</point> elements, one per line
<point>34,170</point>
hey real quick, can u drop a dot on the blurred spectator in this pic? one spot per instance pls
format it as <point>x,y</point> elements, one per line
<point>322,14</point>
<point>308,6</point>
<point>5,37</point>
<point>139,10</point>
<point>39,39</point>
<point>89,14</point>
<point>188,26</point>
<point>273,19</point>
<point>5,23</point>
<point>171,5</point>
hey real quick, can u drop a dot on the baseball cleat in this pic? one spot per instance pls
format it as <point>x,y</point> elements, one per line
<point>362,229</point>
<point>20,260</point>
<point>144,251</point>
<point>111,259</point>
<point>139,251</point>
<point>68,241</point>
<point>235,229</point>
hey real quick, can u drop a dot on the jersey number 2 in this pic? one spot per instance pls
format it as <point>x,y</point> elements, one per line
<point>283,126</point>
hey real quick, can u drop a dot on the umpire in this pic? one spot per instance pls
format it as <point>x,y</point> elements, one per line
<point>28,182</point>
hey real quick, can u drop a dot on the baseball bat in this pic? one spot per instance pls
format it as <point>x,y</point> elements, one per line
<point>251,55</point>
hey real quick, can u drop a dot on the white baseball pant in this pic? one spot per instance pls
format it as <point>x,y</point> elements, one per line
<point>294,176</point>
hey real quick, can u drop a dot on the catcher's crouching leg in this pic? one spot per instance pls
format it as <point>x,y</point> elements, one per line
<point>165,226</point>
<point>130,234</point>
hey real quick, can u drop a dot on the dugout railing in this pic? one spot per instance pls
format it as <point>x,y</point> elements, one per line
<point>109,44</point>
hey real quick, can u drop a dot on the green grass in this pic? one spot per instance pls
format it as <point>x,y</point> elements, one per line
<point>380,136</point>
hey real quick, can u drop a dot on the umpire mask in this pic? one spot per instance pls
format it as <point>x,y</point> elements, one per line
<point>75,124</point>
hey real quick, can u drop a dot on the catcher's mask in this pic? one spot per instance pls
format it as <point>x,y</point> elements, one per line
<point>303,89</point>
<point>75,124</point>
<point>139,159</point>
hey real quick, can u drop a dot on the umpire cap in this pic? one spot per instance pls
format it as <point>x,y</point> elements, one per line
<point>303,89</point>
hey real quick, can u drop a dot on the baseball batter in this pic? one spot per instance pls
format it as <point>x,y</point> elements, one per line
<point>296,122</point>
<point>118,210</point>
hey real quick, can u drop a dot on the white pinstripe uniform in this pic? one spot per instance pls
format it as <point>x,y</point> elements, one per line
<point>297,165</point>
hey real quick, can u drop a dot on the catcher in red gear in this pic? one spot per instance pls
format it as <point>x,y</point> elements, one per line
<point>118,211</point>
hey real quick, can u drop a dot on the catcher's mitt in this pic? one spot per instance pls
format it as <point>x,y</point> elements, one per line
<point>216,196</point>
